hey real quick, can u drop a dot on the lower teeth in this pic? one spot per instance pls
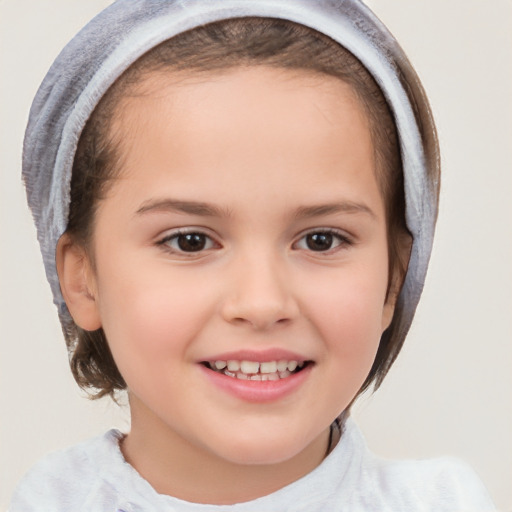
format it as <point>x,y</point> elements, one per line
<point>257,376</point>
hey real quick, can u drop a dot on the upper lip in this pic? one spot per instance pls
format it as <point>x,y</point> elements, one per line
<point>261,356</point>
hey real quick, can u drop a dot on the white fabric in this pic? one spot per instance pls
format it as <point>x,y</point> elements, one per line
<point>93,476</point>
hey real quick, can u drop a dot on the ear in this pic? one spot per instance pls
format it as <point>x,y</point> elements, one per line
<point>389,307</point>
<point>77,283</point>
<point>398,272</point>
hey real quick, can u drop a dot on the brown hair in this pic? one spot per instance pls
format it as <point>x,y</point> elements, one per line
<point>216,47</point>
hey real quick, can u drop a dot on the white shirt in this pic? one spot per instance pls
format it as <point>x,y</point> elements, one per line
<point>93,476</point>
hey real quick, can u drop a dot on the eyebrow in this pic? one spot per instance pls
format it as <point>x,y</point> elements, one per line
<point>190,207</point>
<point>208,210</point>
<point>333,208</point>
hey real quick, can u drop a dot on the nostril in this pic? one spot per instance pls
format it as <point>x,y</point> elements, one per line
<point>259,299</point>
<point>260,321</point>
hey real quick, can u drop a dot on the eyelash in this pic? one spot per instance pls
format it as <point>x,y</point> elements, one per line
<point>175,236</point>
<point>342,239</point>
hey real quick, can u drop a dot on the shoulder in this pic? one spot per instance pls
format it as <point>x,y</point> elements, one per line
<point>63,480</point>
<point>441,484</point>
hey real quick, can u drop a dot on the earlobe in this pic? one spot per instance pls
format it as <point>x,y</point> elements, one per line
<point>399,272</point>
<point>76,280</point>
<point>390,302</point>
<point>388,312</point>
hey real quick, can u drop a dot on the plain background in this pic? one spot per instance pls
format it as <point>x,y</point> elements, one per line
<point>450,392</point>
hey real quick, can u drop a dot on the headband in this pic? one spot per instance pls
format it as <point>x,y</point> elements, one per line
<point>120,34</point>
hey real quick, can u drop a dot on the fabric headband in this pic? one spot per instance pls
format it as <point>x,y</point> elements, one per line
<point>119,35</point>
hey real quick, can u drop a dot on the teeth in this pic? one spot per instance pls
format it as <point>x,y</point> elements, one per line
<point>282,366</point>
<point>233,366</point>
<point>292,365</point>
<point>270,367</point>
<point>250,367</point>
<point>253,370</point>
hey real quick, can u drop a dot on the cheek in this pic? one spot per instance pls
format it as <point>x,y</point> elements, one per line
<point>151,314</point>
<point>347,310</point>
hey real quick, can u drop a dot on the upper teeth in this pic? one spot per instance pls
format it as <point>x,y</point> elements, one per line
<point>252,367</point>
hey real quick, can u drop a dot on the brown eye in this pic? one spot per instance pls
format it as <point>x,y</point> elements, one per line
<point>319,241</point>
<point>191,242</point>
<point>322,241</point>
<point>187,242</point>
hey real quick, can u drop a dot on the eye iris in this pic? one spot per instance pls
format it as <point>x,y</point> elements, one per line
<point>319,241</point>
<point>191,242</point>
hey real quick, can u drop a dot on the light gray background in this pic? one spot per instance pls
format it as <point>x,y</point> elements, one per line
<point>451,389</point>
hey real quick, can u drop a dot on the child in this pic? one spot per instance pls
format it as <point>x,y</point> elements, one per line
<point>236,228</point>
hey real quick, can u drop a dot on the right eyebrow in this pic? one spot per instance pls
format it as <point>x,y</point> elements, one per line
<point>333,208</point>
<point>190,207</point>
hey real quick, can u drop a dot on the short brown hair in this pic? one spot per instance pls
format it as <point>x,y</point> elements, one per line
<point>213,48</point>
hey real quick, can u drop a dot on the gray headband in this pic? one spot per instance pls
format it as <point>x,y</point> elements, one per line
<point>119,35</point>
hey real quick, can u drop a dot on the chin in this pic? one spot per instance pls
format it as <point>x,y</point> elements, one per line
<point>263,450</point>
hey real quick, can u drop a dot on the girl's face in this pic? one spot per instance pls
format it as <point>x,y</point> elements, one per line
<point>247,231</point>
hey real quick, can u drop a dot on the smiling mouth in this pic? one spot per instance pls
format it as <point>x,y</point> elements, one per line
<point>253,370</point>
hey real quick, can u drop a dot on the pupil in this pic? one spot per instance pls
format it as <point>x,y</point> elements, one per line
<point>191,242</point>
<point>319,241</point>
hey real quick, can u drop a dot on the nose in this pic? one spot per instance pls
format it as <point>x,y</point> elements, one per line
<point>260,294</point>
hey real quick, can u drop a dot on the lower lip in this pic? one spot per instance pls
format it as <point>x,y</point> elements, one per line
<point>257,390</point>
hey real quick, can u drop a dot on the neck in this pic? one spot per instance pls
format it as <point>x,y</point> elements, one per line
<point>176,467</point>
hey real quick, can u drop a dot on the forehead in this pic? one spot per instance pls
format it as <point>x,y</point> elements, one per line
<point>240,107</point>
<point>257,82</point>
<point>245,133</point>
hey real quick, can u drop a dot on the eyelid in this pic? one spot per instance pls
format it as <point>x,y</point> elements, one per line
<point>344,238</point>
<point>175,233</point>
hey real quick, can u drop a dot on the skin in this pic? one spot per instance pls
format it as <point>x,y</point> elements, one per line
<point>262,147</point>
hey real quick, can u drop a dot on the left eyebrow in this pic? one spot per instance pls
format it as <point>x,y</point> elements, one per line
<point>189,207</point>
<point>332,208</point>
